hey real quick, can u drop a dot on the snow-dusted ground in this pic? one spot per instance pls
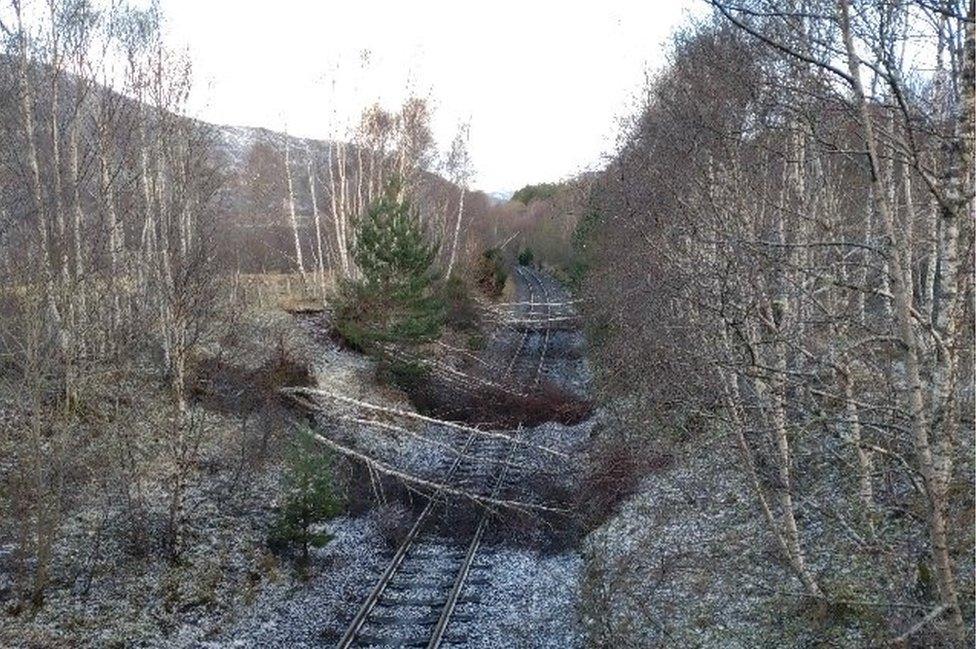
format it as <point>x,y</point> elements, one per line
<point>516,596</point>
<point>296,613</point>
<point>688,562</point>
<point>650,580</point>
<point>526,600</point>
<point>230,591</point>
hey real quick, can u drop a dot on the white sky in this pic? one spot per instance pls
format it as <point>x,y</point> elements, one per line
<point>542,82</point>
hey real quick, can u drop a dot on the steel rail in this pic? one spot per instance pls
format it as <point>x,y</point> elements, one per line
<point>545,343</point>
<point>440,629</point>
<point>362,615</point>
<point>525,334</point>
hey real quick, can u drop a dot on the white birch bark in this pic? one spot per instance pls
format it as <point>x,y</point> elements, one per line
<point>107,194</point>
<point>293,219</point>
<point>457,233</point>
<point>928,464</point>
<point>319,248</point>
<point>42,215</point>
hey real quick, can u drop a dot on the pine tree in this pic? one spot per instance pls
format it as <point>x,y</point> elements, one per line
<point>396,300</point>
<point>310,498</point>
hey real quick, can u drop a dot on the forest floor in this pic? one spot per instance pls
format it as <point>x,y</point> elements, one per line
<point>685,562</point>
<point>688,560</point>
<point>111,583</point>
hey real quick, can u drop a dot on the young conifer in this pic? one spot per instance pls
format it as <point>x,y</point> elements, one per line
<point>396,300</point>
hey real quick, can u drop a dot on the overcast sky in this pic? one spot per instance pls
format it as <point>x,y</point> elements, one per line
<point>542,83</point>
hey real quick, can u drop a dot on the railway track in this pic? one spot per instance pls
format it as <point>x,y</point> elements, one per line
<point>536,318</point>
<point>430,576</point>
<point>546,317</point>
<point>525,334</point>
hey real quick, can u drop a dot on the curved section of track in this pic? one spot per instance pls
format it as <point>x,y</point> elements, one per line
<point>416,596</point>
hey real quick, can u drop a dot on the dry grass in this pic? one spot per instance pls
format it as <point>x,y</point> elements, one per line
<point>286,291</point>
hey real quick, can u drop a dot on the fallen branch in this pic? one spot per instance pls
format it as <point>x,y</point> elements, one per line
<point>552,304</point>
<point>846,601</point>
<point>931,616</point>
<point>467,381</point>
<point>416,416</point>
<point>461,455</point>
<point>433,488</point>
<point>464,352</point>
<point>403,430</point>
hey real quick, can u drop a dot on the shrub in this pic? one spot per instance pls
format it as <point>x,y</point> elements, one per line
<point>477,342</point>
<point>575,275</point>
<point>310,499</point>
<point>525,257</point>
<point>461,313</point>
<point>615,465</point>
<point>490,273</point>
<point>394,521</point>
<point>408,375</point>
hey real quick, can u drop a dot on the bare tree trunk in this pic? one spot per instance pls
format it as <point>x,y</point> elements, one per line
<point>340,207</point>
<point>43,503</point>
<point>319,248</point>
<point>865,462</point>
<point>79,305</point>
<point>180,454</point>
<point>902,308</point>
<point>457,233</point>
<point>115,244</point>
<point>291,210</point>
<point>789,547</point>
<point>337,216</point>
<point>56,170</point>
<point>148,237</point>
<point>348,234</point>
<point>360,205</point>
<point>27,124</point>
<point>931,258</point>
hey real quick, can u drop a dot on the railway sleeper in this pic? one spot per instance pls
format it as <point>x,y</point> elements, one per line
<point>476,581</point>
<point>435,617</point>
<point>432,584</point>
<point>394,587</point>
<point>382,641</point>
<point>385,620</point>
<point>437,545</point>
<point>418,601</point>
<point>413,570</point>
<point>435,554</point>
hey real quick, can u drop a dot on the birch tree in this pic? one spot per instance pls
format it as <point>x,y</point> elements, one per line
<point>292,218</point>
<point>459,171</point>
<point>774,235</point>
